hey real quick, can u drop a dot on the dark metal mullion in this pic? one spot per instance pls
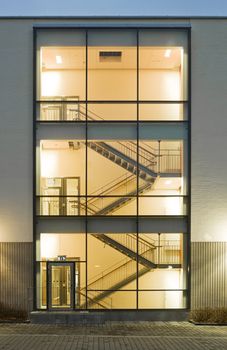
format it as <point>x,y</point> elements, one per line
<point>113,101</point>
<point>134,290</point>
<point>86,166</point>
<point>189,177</point>
<point>73,283</point>
<point>137,172</point>
<point>34,168</point>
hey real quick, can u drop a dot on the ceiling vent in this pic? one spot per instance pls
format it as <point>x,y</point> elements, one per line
<point>110,56</point>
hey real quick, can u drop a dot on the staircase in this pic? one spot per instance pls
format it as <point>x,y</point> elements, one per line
<point>147,164</point>
<point>114,280</point>
<point>127,245</point>
<point>125,159</point>
<point>125,271</point>
<point>96,207</point>
<point>122,273</point>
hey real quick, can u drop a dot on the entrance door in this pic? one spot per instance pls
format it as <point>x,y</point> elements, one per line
<point>60,196</point>
<point>61,285</point>
<point>72,188</point>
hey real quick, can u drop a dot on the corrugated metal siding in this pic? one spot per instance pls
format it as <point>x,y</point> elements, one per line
<point>208,274</point>
<point>16,276</point>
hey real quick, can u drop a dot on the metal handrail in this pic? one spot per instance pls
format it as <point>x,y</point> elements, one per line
<point>148,156</point>
<point>123,269</point>
<point>102,305</point>
<point>116,183</point>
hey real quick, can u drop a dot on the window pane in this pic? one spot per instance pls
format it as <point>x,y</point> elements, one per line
<point>111,262</point>
<point>61,62</point>
<point>166,252</point>
<point>61,110</point>
<point>112,60</point>
<point>111,205</point>
<point>163,167</point>
<point>112,171</point>
<point>70,245</point>
<point>162,65</point>
<point>41,285</point>
<point>62,168</point>
<point>164,111</point>
<point>118,300</point>
<point>149,205</point>
<point>104,111</point>
<point>162,300</point>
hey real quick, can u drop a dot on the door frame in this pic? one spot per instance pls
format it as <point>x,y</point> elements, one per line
<point>49,284</point>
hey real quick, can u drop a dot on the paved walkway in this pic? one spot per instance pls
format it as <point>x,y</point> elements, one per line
<point>113,336</point>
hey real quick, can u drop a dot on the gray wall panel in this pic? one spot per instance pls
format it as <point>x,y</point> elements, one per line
<point>208,274</point>
<point>16,276</point>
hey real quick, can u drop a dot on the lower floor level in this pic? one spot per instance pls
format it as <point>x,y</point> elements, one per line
<point>208,283</point>
<point>106,271</point>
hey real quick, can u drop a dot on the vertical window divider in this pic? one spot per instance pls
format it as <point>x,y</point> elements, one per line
<point>137,163</point>
<point>86,162</point>
<point>34,166</point>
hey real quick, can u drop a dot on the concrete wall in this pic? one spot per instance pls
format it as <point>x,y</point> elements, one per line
<point>16,132</point>
<point>209,125</point>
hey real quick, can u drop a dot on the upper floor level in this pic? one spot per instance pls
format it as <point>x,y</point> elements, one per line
<point>115,74</point>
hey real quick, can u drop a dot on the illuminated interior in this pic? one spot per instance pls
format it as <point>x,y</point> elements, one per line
<point>106,172</point>
<point>109,267</point>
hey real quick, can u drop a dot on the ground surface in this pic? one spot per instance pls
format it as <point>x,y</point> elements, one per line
<point>113,336</point>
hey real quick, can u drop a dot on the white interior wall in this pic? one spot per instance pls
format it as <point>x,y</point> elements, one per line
<point>118,84</point>
<point>70,163</point>
<point>63,83</point>
<point>71,245</point>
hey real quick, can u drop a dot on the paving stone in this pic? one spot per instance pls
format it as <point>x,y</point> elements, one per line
<point>113,336</point>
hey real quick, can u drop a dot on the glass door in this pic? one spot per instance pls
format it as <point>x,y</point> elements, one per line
<point>61,285</point>
<point>71,187</point>
<point>60,196</point>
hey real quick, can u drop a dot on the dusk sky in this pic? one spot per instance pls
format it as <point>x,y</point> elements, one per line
<point>113,7</point>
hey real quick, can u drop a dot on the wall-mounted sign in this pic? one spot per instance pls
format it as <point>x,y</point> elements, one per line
<point>61,257</point>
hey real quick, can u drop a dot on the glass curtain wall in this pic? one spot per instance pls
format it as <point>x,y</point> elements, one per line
<point>129,89</point>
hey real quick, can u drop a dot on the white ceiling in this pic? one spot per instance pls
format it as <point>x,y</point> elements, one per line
<point>74,58</point>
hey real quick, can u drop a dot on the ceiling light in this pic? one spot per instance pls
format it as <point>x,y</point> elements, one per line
<point>167,53</point>
<point>168,182</point>
<point>170,267</point>
<point>58,59</point>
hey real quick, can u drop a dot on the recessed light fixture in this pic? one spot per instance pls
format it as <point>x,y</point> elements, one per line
<point>58,59</point>
<point>168,182</point>
<point>167,53</point>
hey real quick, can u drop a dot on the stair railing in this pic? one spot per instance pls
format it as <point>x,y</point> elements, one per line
<point>125,271</point>
<point>123,180</point>
<point>104,304</point>
<point>113,275</point>
<point>61,110</point>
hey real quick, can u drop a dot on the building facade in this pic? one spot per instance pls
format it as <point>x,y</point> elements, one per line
<point>113,180</point>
